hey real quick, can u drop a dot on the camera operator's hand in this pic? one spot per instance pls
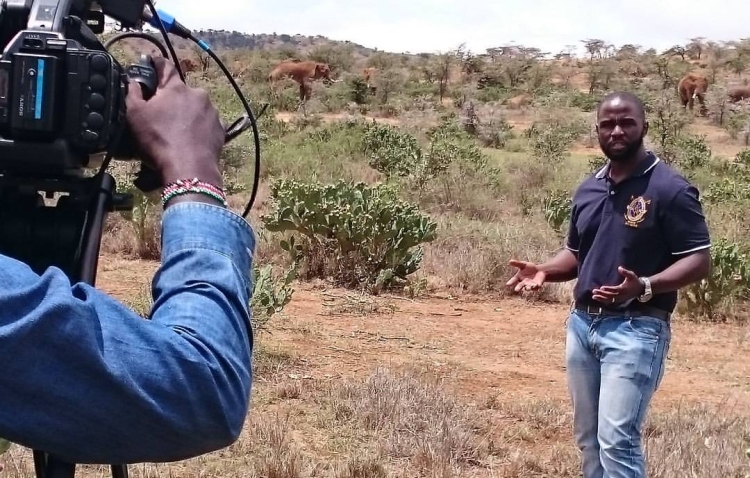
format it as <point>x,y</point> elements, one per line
<point>178,129</point>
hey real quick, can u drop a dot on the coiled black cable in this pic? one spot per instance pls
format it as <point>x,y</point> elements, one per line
<point>236,128</point>
<point>241,123</point>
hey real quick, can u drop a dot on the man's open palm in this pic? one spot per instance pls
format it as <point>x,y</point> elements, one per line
<point>528,277</point>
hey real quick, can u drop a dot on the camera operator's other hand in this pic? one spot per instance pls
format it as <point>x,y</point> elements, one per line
<point>178,128</point>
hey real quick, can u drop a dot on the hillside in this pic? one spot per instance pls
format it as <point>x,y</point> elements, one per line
<point>226,40</point>
<point>291,45</point>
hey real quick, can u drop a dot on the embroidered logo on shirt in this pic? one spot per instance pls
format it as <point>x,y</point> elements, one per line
<point>636,211</point>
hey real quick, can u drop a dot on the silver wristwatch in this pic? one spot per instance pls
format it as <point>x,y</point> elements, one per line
<point>647,293</point>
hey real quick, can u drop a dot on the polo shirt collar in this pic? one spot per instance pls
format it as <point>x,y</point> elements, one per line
<point>647,165</point>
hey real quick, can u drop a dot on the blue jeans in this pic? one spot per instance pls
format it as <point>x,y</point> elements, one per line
<point>614,366</point>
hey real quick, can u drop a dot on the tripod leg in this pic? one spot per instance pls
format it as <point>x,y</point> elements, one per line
<point>91,204</point>
<point>59,469</point>
<point>40,463</point>
<point>119,471</point>
<point>50,467</point>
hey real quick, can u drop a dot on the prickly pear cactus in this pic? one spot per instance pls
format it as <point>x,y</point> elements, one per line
<point>366,232</point>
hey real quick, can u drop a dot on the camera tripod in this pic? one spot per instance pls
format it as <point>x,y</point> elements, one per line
<point>66,235</point>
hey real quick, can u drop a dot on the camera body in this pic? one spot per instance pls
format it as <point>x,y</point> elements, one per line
<point>60,103</point>
<point>62,95</point>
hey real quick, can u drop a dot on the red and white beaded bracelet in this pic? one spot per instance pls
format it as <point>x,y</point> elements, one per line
<point>188,186</point>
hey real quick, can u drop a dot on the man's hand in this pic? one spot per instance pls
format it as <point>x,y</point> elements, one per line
<point>628,289</point>
<point>528,277</point>
<point>178,129</point>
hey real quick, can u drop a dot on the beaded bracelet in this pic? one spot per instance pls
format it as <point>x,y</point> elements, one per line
<point>187,186</point>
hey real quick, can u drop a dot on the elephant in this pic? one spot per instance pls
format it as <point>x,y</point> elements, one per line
<point>739,93</point>
<point>368,74</point>
<point>187,65</point>
<point>303,72</point>
<point>691,86</point>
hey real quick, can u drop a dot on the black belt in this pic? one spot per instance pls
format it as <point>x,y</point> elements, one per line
<point>637,310</point>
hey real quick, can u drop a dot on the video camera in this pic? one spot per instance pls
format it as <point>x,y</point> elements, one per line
<point>62,95</point>
<point>63,112</point>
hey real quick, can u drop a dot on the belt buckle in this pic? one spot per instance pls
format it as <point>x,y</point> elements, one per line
<point>595,310</point>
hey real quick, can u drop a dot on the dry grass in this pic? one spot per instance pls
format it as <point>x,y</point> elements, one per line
<point>129,239</point>
<point>698,441</point>
<point>410,422</point>
<point>472,256</point>
<point>416,421</point>
<point>409,417</point>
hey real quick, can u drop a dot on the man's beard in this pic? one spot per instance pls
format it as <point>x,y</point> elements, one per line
<point>625,154</point>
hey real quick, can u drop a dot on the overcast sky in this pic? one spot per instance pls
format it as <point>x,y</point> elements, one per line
<point>439,25</point>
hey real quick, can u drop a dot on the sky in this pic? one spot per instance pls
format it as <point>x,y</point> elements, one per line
<point>440,25</point>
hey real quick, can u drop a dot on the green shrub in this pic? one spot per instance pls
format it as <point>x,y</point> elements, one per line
<point>728,277</point>
<point>396,153</point>
<point>741,166</point>
<point>270,294</point>
<point>738,124</point>
<point>743,157</point>
<point>390,151</point>
<point>667,120</point>
<point>596,163</point>
<point>355,234</point>
<point>693,152</point>
<point>734,186</point>
<point>584,101</point>
<point>551,140</point>
<point>557,207</point>
<point>358,91</point>
<point>450,143</point>
<point>728,190</point>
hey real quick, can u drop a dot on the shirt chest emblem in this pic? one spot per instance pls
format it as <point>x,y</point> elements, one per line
<point>636,211</point>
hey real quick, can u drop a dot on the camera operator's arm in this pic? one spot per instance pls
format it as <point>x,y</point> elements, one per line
<point>85,378</point>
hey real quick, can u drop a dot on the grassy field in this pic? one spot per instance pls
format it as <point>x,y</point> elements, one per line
<point>443,374</point>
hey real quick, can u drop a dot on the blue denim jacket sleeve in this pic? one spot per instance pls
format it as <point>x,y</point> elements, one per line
<point>84,378</point>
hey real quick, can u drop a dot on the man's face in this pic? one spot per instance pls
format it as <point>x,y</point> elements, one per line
<point>621,129</point>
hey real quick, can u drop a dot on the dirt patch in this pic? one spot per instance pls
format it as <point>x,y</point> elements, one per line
<point>510,346</point>
<point>328,117</point>
<point>718,139</point>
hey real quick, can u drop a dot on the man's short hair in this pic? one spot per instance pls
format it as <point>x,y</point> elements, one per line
<point>640,108</point>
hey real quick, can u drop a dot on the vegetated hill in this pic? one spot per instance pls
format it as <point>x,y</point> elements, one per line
<point>234,40</point>
<point>277,45</point>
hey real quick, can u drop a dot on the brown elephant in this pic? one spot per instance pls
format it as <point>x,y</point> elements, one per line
<point>187,65</point>
<point>303,72</point>
<point>690,87</point>
<point>739,93</point>
<point>368,74</point>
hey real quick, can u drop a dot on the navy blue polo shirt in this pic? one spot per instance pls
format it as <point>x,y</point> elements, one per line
<point>645,223</point>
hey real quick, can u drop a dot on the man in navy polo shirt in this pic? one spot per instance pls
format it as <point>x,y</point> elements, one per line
<point>637,235</point>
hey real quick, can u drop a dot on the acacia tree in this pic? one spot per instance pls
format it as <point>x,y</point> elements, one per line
<point>717,53</point>
<point>381,61</point>
<point>696,47</point>
<point>740,58</point>
<point>602,67</point>
<point>442,69</point>
<point>677,50</point>
<point>203,58</point>
<point>513,62</point>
